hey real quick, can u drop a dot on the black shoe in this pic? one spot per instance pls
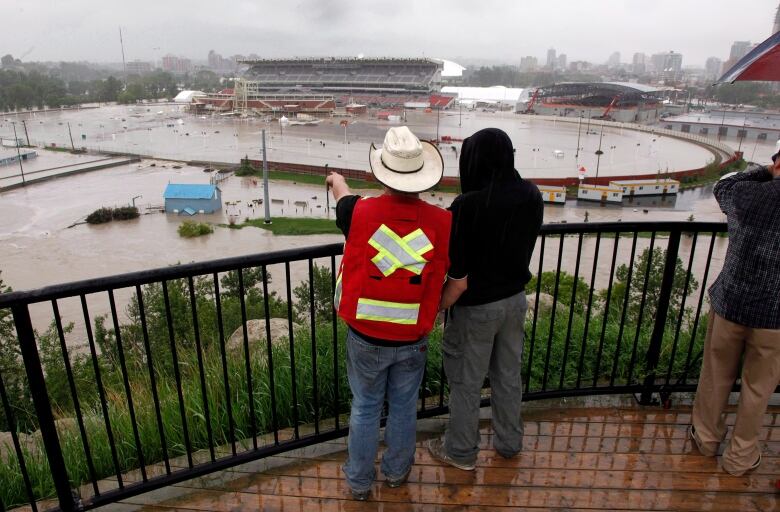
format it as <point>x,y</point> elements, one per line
<point>507,455</point>
<point>360,495</point>
<point>398,482</point>
<point>436,448</point>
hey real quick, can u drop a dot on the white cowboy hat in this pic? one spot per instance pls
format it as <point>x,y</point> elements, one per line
<point>404,163</point>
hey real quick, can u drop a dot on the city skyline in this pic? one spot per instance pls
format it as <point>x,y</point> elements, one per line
<point>344,28</point>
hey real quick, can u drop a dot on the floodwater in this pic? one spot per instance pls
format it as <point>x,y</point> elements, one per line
<point>544,149</point>
<point>42,241</point>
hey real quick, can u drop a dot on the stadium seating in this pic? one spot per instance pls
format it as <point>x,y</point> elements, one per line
<point>413,75</point>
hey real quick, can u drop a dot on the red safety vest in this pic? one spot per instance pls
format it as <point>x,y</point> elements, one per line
<point>395,262</point>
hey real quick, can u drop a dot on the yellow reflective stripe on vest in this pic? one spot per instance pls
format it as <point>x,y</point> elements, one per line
<point>337,293</point>
<point>394,252</point>
<point>385,311</point>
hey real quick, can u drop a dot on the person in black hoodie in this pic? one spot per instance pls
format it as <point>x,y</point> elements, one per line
<point>495,223</point>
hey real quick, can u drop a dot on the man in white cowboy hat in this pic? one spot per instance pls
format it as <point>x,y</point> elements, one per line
<point>388,292</point>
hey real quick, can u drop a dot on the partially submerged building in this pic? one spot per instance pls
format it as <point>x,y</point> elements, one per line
<point>601,193</point>
<point>651,187</point>
<point>553,194</point>
<point>190,199</point>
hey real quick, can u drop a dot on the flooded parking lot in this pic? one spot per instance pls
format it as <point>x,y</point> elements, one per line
<point>543,148</point>
<point>43,242</point>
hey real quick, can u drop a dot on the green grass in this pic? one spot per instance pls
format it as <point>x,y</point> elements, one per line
<point>584,350</point>
<point>294,226</point>
<point>309,179</point>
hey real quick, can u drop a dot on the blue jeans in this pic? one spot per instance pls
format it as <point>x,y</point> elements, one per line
<point>375,372</point>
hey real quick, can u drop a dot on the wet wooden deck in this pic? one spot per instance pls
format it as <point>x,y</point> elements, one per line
<point>573,459</point>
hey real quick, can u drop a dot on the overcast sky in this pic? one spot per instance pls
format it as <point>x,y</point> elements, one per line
<point>489,29</point>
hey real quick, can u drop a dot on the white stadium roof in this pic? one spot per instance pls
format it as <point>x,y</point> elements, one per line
<point>450,69</point>
<point>186,96</point>
<point>495,94</point>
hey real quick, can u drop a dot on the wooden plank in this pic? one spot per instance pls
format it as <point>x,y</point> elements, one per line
<point>214,500</point>
<point>602,461</point>
<point>649,415</point>
<point>552,478</point>
<point>646,430</point>
<point>446,493</point>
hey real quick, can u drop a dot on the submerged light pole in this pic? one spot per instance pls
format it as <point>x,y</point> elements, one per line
<point>579,129</point>
<point>18,153</point>
<point>599,152</point>
<point>266,201</point>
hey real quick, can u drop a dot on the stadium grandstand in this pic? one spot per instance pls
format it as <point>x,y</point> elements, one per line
<point>321,84</point>
<point>402,76</point>
<point>618,101</point>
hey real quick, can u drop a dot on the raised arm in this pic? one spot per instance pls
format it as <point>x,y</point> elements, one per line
<point>338,185</point>
<point>735,188</point>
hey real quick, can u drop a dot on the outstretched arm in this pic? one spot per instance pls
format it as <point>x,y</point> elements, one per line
<point>734,188</point>
<point>338,184</point>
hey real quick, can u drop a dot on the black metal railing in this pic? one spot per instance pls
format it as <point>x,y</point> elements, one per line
<point>115,386</point>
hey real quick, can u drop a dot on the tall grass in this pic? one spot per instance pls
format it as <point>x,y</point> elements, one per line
<point>568,350</point>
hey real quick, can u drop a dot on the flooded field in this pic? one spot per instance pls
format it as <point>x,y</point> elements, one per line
<point>543,148</point>
<point>43,239</point>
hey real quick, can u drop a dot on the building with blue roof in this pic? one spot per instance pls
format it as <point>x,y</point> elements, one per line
<point>189,199</point>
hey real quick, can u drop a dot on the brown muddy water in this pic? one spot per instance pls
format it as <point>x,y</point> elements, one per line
<point>42,241</point>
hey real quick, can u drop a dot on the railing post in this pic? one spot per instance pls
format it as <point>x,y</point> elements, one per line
<point>656,339</point>
<point>40,398</point>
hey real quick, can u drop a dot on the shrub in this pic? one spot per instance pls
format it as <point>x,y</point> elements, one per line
<point>100,216</point>
<point>125,213</point>
<point>190,229</point>
<point>103,215</point>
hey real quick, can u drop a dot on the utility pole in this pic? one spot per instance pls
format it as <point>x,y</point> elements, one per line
<point>579,128</point>
<point>599,152</point>
<point>124,66</point>
<point>266,201</point>
<point>587,129</point>
<point>18,153</point>
<point>71,138</point>
<point>742,134</point>
<point>438,113</point>
<point>26,135</point>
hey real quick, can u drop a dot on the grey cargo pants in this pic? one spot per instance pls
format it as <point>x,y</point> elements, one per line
<point>478,341</point>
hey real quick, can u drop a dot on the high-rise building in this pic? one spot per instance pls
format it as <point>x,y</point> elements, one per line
<point>137,67</point>
<point>668,65</point>
<point>638,63</point>
<point>713,67</point>
<point>528,63</point>
<point>551,59</point>
<point>776,27</point>
<point>738,50</point>
<point>614,60</point>
<point>217,62</point>
<point>562,61</point>
<point>176,64</point>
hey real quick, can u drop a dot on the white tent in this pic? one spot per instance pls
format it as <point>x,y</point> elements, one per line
<point>187,96</point>
<point>496,94</point>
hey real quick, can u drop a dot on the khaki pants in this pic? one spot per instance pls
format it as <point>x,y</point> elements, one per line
<point>725,343</point>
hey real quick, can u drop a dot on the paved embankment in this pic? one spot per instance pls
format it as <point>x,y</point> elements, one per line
<point>12,181</point>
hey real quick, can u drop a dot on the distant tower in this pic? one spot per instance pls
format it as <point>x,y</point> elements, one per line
<point>776,28</point>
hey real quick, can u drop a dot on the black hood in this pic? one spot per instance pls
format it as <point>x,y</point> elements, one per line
<point>486,158</point>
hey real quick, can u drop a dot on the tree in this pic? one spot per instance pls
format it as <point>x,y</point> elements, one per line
<point>655,276</point>
<point>565,288</point>
<point>323,295</point>
<point>109,89</point>
<point>7,60</point>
